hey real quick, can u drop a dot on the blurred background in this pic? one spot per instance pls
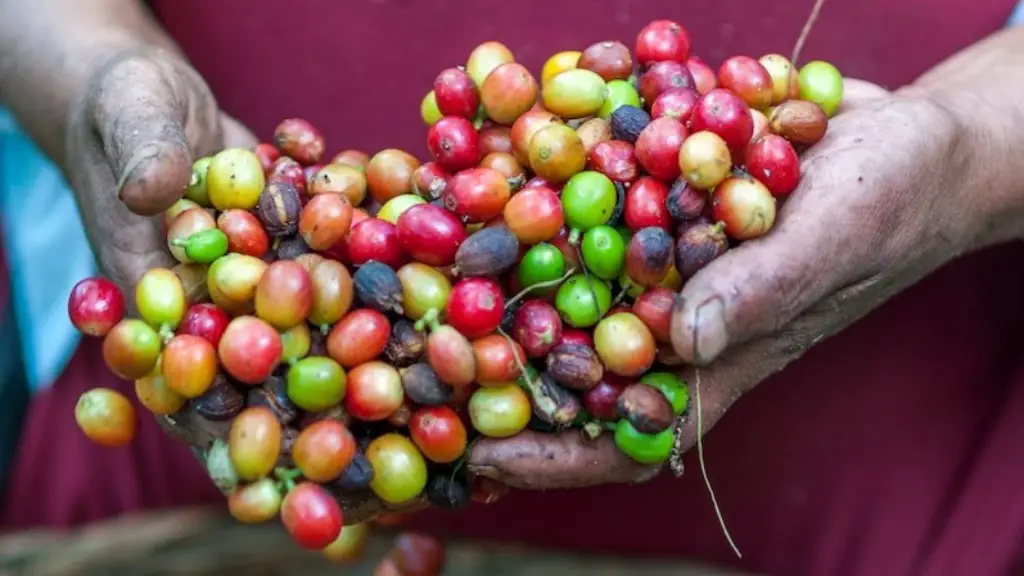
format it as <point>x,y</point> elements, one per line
<point>206,542</point>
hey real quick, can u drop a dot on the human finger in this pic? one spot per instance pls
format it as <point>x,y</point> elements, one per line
<point>140,121</point>
<point>189,427</point>
<point>859,93</point>
<point>536,460</point>
<point>824,237</point>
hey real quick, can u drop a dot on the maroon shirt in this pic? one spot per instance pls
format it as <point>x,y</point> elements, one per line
<point>890,449</point>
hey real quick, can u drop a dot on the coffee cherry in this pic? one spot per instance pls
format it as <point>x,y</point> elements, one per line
<point>254,442</point>
<point>249,350</point>
<point>160,297</point>
<point>131,349</point>
<point>95,306</point>
<point>234,179</point>
<point>189,365</point>
<point>106,417</point>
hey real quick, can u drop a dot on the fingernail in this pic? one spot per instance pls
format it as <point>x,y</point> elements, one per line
<point>141,155</point>
<point>710,336</point>
<point>483,470</point>
<point>647,474</point>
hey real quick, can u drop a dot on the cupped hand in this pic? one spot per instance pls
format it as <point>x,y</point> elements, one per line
<point>189,427</point>
<point>130,145</point>
<point>879,206</point>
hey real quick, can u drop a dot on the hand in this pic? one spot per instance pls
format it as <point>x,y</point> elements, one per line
<point>877,209</point>
<point>189,427</point>
<point>130,145</point>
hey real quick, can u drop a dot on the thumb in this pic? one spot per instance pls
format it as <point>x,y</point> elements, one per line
<point>540,461</point>
<point>760,286</point>
<point>139,112</point>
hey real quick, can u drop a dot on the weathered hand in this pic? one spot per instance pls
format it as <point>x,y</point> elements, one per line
<point>200,433</point>
<point>130,146</point>
<point>878,208</point>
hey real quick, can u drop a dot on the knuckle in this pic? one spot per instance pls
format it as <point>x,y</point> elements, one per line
<point>129,67</point>
<point>791,283</point>
<point>767,295</point>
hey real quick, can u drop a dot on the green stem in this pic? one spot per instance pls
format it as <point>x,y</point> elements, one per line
<point>286,478</point>
<point>282,472</point>
<point>740,173</point>
<point>325,328</point>
<point>574,238</point>
<point>593,429</point>
<point>519,363</point>
<point>622,292</point>
<point>287,485</point>
<point>516,182</point>
<point>166,333</point>
<point>539,286</point>
<point>458,464</point>
<point>429,319</point>
<point>586,276</point>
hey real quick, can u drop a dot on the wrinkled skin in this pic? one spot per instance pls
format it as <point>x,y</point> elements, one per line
<point>134,135</point>
<point>889,170</point>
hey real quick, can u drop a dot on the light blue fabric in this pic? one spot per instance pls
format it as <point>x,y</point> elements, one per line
<point>47,250</point>
<point>1018,15</point>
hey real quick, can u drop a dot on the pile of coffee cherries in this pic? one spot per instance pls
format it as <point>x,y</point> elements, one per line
<point>358,319</point>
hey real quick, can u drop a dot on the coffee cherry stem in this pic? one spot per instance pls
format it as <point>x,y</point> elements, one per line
<point>675,461</point>
<point>622,292</point>
<point>286,478</point>
<point>539,286</point>
<point>586,274</point>
<point>275,244</point>
<point>166,333</point>
<point>804,33</point>
<point>516,182</point>
<point>429,320</point>
<point>519,363</point>
<point>325,329</point>
<point>574,238</point>
<point>593,429</point>
<point>460,462</point>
